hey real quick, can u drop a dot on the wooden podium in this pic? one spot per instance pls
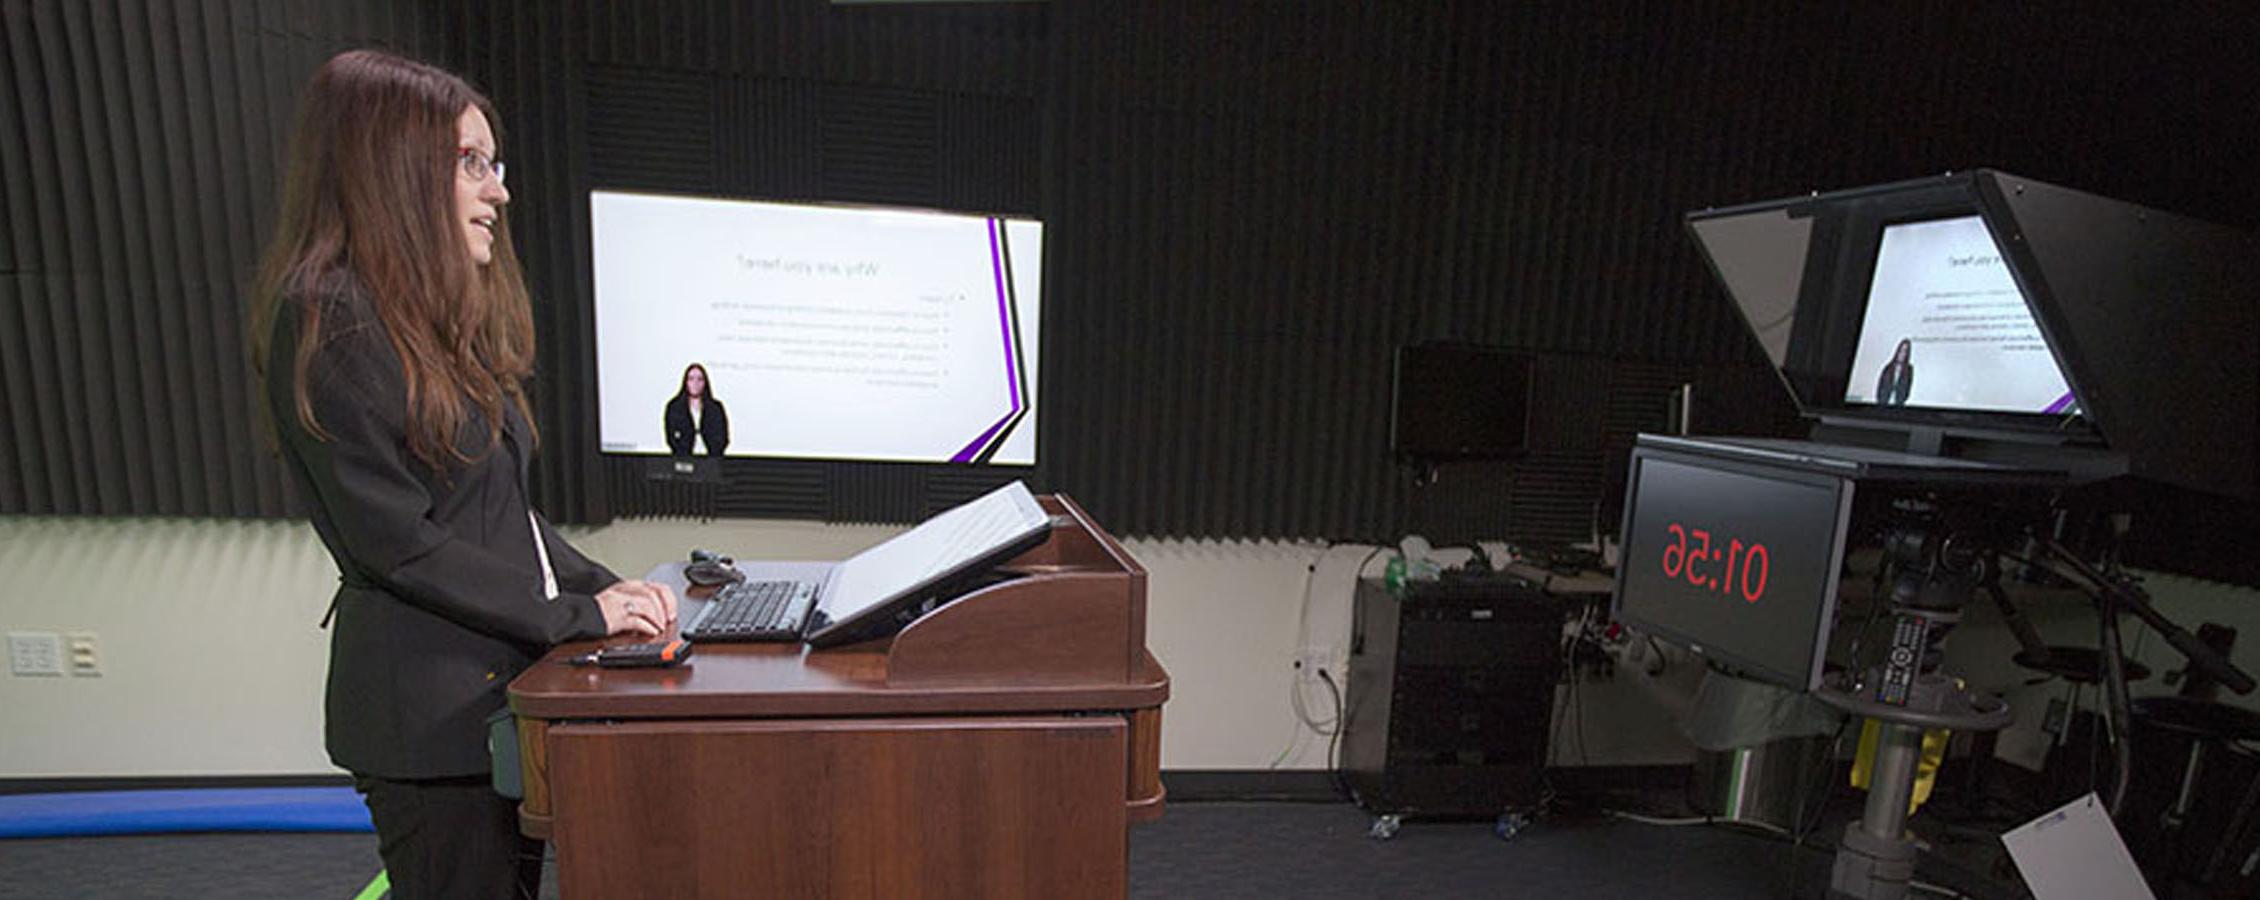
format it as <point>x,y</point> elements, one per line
<point>998,747</point>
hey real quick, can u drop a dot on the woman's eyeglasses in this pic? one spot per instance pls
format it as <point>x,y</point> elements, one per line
<point>476,166</point>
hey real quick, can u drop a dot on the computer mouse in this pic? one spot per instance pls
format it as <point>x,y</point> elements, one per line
<point>712,571</point>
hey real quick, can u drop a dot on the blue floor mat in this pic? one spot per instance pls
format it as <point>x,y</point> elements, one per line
<point>151,812</point>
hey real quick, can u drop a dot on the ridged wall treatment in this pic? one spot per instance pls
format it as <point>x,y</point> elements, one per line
<point>786,489</point>
<point>546,133</point>
<point>139,146</point>
<point>652,128</point>
<point>928,108</point>
<point>1248,207</point>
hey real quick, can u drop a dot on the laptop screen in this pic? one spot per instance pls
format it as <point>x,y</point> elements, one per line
<point>934,550</point>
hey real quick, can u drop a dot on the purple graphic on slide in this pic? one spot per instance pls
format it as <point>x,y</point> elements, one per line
<point>1011,352</point>
<point>2062,404</point>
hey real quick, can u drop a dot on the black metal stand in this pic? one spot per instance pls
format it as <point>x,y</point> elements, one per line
<point>1876,859</point>
<point>1906,696</point>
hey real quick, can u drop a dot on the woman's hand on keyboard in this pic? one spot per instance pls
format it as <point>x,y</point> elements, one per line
<point>640,608</point>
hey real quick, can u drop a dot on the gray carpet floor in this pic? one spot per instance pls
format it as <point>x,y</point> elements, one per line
<point>1196,850</point>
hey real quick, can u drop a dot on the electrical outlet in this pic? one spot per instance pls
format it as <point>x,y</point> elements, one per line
<point>86,654</point>
<point>35,653</point>
<point>1312,660</point>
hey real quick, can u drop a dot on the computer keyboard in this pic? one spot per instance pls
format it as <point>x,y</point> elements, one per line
<point>753,611</point>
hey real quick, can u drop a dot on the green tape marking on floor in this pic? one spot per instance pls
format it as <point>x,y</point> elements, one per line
<point>377,887</point>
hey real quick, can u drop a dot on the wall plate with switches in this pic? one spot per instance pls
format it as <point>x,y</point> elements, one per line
<point>85,654</point>
<point>35,653</point>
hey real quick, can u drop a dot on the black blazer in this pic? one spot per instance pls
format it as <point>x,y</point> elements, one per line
<point>713,425</point>
<point>440,602</point>
<point>1897,380</point>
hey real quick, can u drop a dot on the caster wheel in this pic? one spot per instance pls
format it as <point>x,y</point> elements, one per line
<point>1385,827</point>
<point>1510,825</point>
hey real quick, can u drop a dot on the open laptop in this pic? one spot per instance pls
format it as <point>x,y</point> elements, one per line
<point>875,592</point>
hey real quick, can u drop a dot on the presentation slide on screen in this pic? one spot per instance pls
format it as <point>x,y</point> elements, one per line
<point>818,332</point>
<point>1947,328</point>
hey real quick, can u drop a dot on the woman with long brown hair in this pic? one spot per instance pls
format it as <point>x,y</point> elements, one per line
<point>394,336</point>
<point>1897,379</point>
<point>696,421</point>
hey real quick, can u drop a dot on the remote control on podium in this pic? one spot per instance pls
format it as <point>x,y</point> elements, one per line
<point>639,656</point>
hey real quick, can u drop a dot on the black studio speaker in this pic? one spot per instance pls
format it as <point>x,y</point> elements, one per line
<point>1451,695</point>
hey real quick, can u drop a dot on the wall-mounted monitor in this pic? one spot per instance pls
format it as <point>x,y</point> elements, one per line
<point>1455,401</point>
<point>814,332</point>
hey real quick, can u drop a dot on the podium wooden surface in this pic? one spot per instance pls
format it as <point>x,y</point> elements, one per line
<point>1000,746</point>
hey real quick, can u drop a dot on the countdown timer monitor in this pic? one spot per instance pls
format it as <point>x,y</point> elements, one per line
<point>1732,546</point>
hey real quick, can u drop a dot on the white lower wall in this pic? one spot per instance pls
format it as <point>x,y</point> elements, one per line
<point>212,664</point>
<point>211,661</point>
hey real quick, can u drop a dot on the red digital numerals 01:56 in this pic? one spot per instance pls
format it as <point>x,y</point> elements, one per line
<point>1736,568</point>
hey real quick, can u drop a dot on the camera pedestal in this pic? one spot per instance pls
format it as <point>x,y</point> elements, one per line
<point>1876,858</point>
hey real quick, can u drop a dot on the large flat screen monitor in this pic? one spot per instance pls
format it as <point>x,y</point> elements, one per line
<point>814,332</point>
<point>1946,327</point>
<point>1736,560</point>
<point>1459,402</point>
